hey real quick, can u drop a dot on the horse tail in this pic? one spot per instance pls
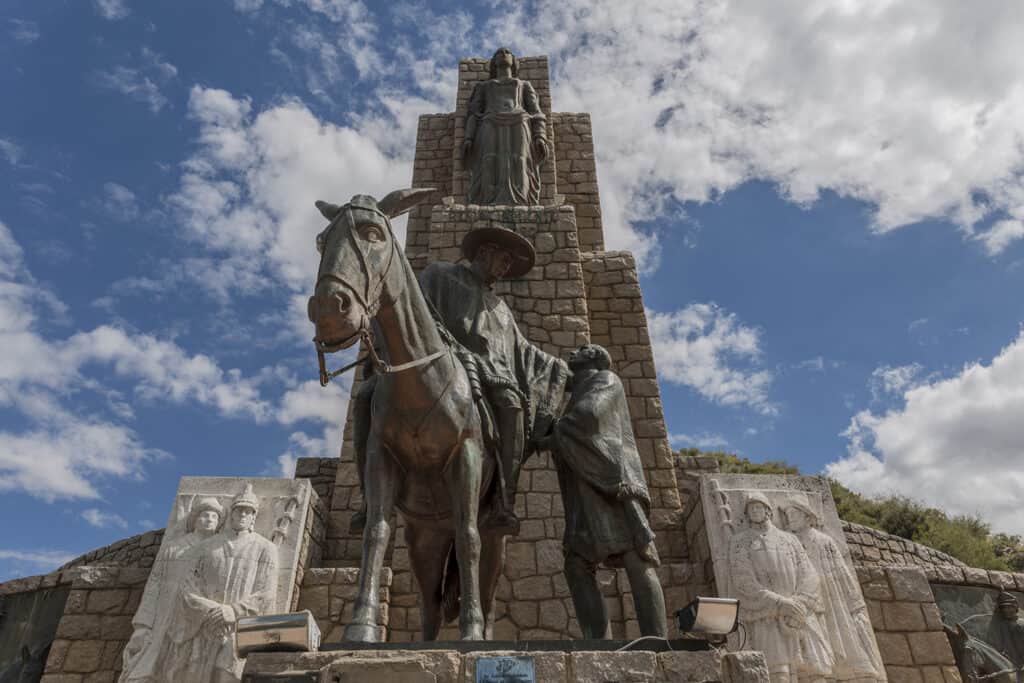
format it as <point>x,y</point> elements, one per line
<point>450,588</point>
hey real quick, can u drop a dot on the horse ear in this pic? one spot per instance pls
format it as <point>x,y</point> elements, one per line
<point>328,210</point>
<point>400,201</point>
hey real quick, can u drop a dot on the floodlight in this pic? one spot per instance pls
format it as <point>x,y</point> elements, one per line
<point>710,616</point>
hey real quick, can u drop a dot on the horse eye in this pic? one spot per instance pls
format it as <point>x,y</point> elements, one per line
<point>371,233</point>
<point>320,243</point>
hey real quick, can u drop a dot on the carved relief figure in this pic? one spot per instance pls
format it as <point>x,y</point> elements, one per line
<point>233,574</point>
<point>780,597</point>
<point>149,642</point>
<point>605,496</point>
<point>1002,630</point>
<point>506,137</point>
<point>845,619</point>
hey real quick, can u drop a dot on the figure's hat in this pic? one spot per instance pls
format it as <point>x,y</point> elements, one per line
<point>523,253</point>
<point>756,497</point>
<point>247,499</point>
<point>1005,598</point>
<point>201,506</point>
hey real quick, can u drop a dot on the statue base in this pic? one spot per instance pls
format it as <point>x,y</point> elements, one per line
<point>551,661</point>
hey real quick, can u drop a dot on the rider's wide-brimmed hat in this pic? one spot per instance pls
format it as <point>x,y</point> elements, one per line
<point>523,253</point>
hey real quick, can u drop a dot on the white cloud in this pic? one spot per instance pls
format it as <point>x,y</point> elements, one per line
<point>887,380</point>
<point>120,202</point>
<point>711,351</point>
<point>10,150</point>
<point>62,453</point>
<point>1001,235</point>
<point>142,81</point>
<point>101,519</point>
<point>24,31</point>
<point>954,443</point>
<point>248,193</point>
<point>897,104</point>
<point>43,558</point>
<point>111,9</point>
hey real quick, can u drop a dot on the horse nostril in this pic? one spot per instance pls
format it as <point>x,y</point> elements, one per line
<point>312,309</point>
<point>344,302</point>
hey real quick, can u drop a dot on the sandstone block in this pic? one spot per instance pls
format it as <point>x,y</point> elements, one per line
<point>690,667</point>
<point>744,667</point>
<point>903,616</point>
<point>930,648</point>
<point>894,649</point>
<point>910,584</point>
<point>84,656</point>
<point>635,667</point>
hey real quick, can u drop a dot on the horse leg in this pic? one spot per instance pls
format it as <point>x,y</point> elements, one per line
<point>492,559</point>
<point>462,478</point>
<point>428,550</point>
<point>381,484</point>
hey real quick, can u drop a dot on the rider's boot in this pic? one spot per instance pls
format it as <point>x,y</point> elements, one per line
<point>503,518</point>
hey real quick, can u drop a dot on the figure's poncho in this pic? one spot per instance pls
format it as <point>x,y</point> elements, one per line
<point>504,118</point>
<point>482,322</point>
<point>770,566</point>
<point>846,614</point>
<point>170,570</point>
<point>600,473</point>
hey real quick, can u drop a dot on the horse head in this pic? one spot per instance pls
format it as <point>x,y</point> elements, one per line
<point>357,252</point>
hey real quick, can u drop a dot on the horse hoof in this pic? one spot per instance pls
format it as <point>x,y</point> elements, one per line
<point>361,633</point>
<point>473,634</point>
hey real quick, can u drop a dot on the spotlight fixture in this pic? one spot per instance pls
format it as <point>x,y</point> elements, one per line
<point>709,616</point>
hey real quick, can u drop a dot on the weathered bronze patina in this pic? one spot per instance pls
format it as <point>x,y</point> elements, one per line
<point>605,496</point>
<point>424,451</point>
<point>506,137</point>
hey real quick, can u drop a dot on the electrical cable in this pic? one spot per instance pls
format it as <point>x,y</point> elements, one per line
<point>631,643</point>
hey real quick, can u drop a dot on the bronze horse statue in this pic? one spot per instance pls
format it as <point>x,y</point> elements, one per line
<point>425,453</point>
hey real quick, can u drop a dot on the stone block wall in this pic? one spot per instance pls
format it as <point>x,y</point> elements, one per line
<point>874,548</point>
<point>471,72</point>
<point>577,176</point>
<point>321,473</point>
<point>96,625</point>
<point>907,625</point>
<point>431,167</point>
<point>330,595</point>
<point>135,551</point>
<point>311,548</point>
<point>972,576</point>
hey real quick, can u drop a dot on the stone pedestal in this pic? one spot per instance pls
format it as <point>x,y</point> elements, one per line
<point>454,666</point>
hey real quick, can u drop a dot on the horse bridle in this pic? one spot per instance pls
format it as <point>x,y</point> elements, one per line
<point>363,331</point>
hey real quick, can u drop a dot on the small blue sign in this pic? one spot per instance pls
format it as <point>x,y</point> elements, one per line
<point>505,670</point>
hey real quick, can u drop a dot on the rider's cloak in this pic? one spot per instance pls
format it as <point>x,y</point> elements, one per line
<point>483,323</point>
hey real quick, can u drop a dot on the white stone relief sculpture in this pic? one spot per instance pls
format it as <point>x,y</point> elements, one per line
<point>777,545</point>
<point>149,640</point>
<point>846,614</point>
<point>779,590</point>
<point>216,564</point>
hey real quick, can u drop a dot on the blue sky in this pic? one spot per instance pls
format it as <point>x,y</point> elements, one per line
<point>827,203</point>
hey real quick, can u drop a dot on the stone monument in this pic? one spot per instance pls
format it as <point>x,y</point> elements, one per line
<point>575,293</point>
<point>231,549</point>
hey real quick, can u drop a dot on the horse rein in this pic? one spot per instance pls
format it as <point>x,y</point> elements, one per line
<point>364,332</point>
